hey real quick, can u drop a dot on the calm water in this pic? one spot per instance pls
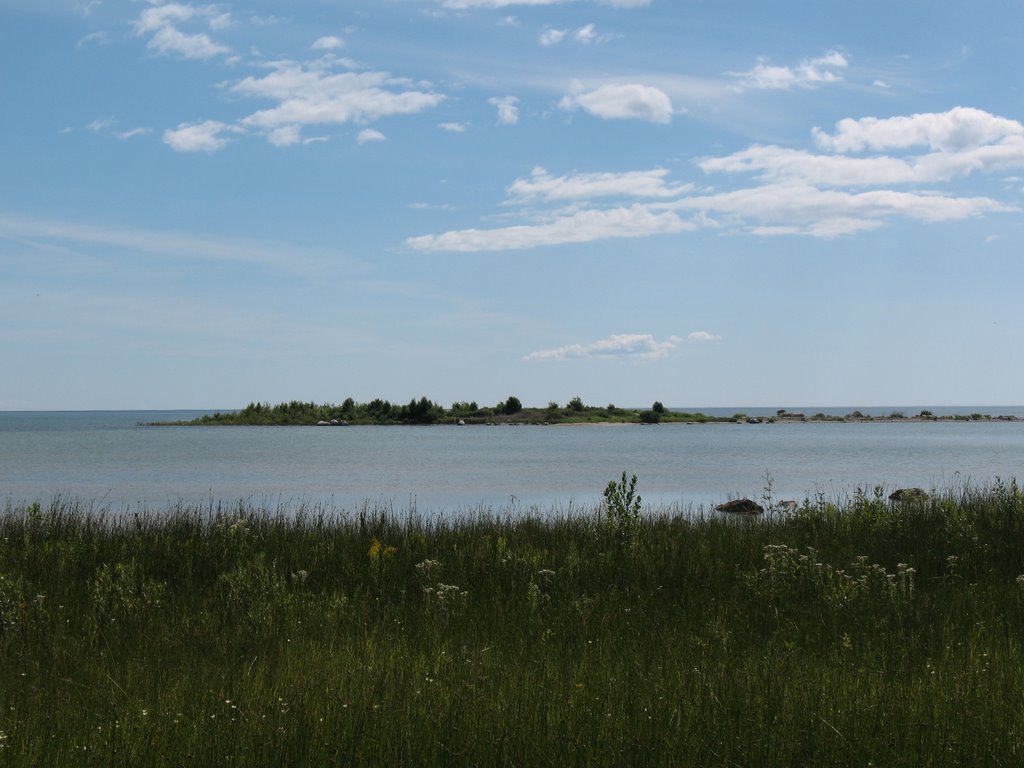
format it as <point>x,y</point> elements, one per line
<point>105,458</point>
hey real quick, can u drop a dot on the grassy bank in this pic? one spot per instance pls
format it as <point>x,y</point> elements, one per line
<point>867,635</point>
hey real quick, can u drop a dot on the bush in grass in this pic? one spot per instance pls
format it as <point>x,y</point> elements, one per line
<point>622,509</point>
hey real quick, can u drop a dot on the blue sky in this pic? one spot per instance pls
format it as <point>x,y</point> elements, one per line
<point>707,203</point>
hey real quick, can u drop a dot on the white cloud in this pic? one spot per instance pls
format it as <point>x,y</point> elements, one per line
<point>508,109</point>
<point>580,227</point>
<point>100,124</point>
<point>133,133</point>
<point>452,127</point>
<point>266,21</point>
<point>308,95</point>
<point>370,134</point>
<point>622,101</point>
<point>636,346</point>
<point>957,129</point>
<point>586,34</point>
<point>285,136</point>
<point>206,136</point>
<point>799,208</point>
<point>176,245</point>
<point>580,186</point>
<point>808,73</point>
<point>162,21</point>
<point>551,36</point>
<point>97,38</point>
<point>703,336</point>
<point>778,163</point>
<point>793,192</point>
<point>328,43</point>
<point>467,4</point>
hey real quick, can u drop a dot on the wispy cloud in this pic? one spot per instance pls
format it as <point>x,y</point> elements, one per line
<point>137,243</point>
<point>93,38</point>
<point>703,336</point>
<point>628,346</point>
<point>133,133</point>
<point>100,124</point>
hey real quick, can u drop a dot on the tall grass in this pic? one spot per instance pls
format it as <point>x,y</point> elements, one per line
<point>855,634</point>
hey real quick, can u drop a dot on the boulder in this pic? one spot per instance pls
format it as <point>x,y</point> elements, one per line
<point>741,507</point>
<point>909,495</point>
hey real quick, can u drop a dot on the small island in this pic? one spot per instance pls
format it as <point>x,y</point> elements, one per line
<point>511,411</point>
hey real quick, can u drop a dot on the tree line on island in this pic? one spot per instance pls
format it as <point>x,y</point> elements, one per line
<point>512,411</point>
<point>426,411</point>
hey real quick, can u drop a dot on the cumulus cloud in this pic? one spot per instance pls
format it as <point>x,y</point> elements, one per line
<point>467,4</point>
<point>584,35</point>
<point>327,43</point>
<point>304,94</point>
<point>587,34</point>
<point>703,336</point>
<point>508,109</point>
<point>777,163</point>
<point>616,101</point>
<point>551,36</point>
<point>772,191</point>
<point>307,95</point>
<point>452,127</point>
<point>162,23</point>
<point>636,346</point>
<point>807,74</point>
<point>579,227</point>
<point>581,186</point>
<point>285,136</point>
<point>797,208</point>
<point>955,130</point>
<point>369,135</point>
<point>207,136</point>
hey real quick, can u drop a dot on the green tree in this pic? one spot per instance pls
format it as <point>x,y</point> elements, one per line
<point>658,407</point>
<point>576,403</point>
<point>512,405</point>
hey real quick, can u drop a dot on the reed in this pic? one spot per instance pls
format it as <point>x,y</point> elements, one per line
<point>857,633</point>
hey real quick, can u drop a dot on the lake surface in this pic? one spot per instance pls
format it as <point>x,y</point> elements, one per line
<point>108,460</point>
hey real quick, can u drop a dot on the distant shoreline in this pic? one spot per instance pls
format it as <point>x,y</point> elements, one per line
<point>511,412</point>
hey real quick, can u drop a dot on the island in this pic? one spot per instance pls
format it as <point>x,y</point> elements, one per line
<point>512,412</point>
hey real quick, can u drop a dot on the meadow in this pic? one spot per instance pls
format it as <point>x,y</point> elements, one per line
<point>849,633</point>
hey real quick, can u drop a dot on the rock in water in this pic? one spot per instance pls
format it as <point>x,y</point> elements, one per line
<point>741,507</point>
<point>909,495</point>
